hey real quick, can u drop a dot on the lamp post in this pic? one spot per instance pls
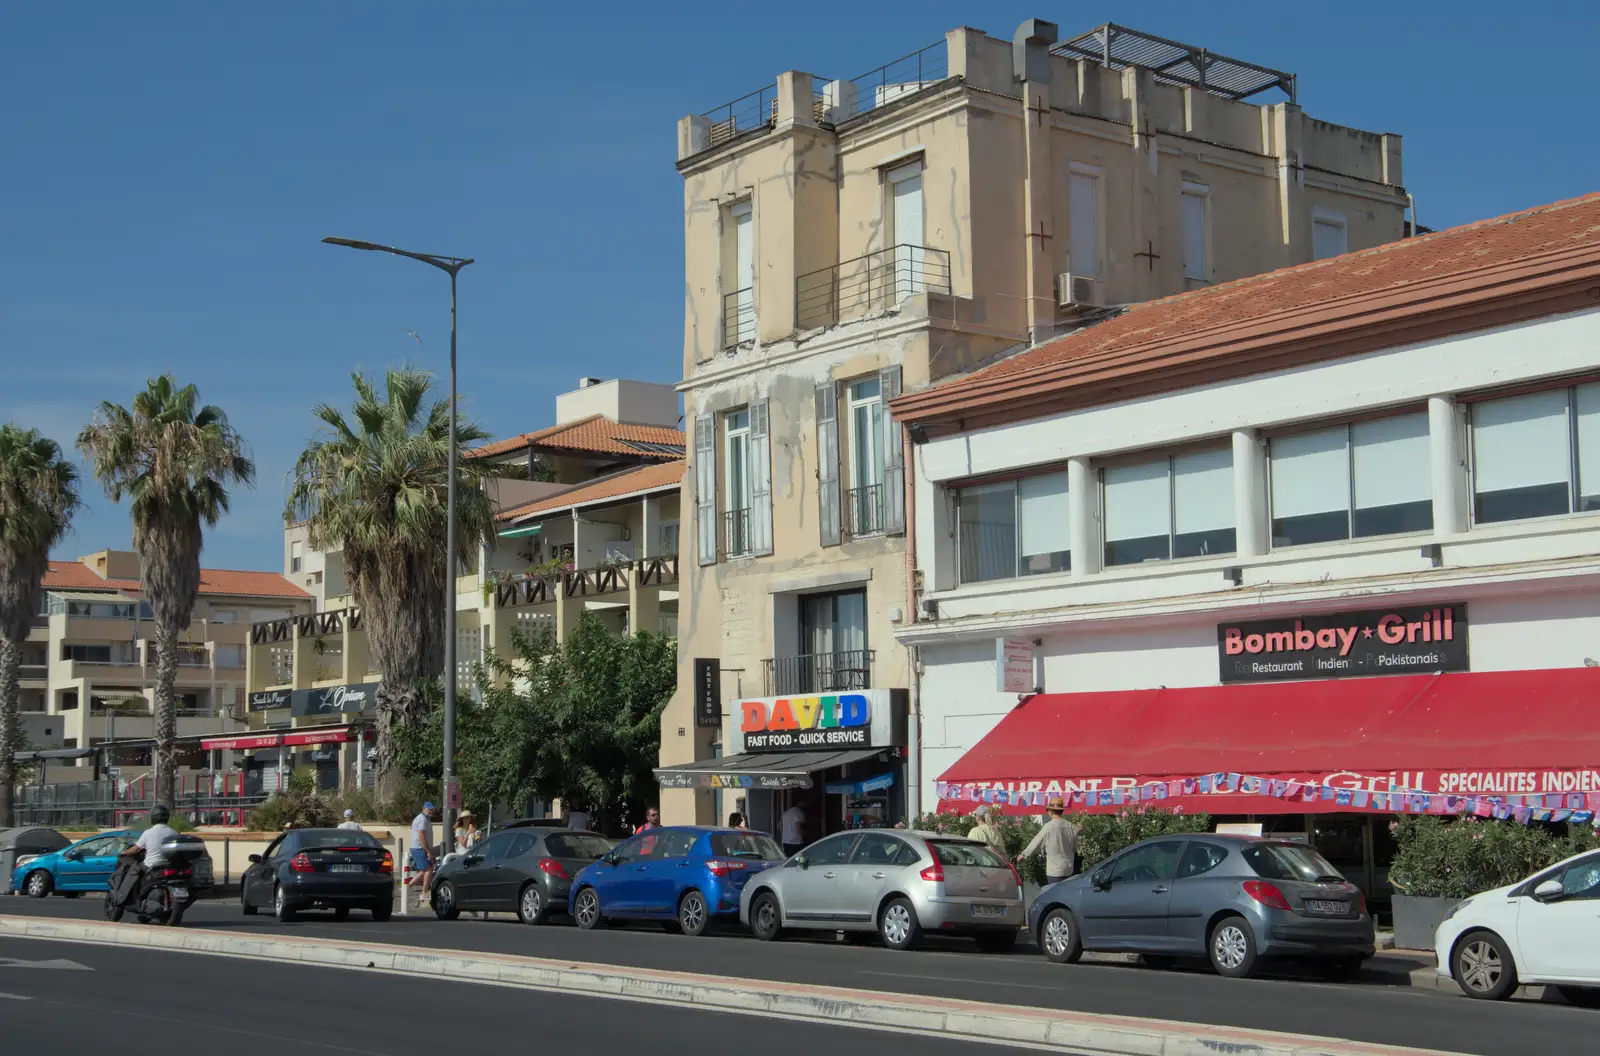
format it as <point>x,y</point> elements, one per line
<point>452,266</point>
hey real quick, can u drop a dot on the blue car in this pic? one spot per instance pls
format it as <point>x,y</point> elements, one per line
<point>686,877</point>
<point>79,867</point>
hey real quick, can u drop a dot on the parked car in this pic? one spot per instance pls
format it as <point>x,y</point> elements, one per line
<point>897,883</point>
<point>337,869</point>
<point>87,866</point>
<point>526,871</point>
<point>687,877</point>
<point>1542,930</point>
<point>1232,899</point>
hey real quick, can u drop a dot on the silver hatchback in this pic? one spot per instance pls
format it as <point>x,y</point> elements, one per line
<point>897,883</point>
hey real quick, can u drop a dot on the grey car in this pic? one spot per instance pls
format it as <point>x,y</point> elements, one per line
<point>527,871</point>
<point>1231,899</point>
<point>897,883</point>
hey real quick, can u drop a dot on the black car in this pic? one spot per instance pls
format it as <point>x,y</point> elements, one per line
<point>526,871</point>
<point>337,869</point>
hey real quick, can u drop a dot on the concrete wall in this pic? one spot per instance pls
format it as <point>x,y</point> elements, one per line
<point>621,400</point>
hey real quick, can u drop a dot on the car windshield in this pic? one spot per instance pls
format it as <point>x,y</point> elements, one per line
<point>1289,861</point>
<point>577,845</point>
<point>951,852</point>
<point>335,839</point>
<point>752,845</point>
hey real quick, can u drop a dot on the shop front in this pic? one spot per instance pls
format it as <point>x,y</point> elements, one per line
<point>839,757</point>
<point>270,757</point>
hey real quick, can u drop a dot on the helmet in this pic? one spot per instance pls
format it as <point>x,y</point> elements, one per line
<point>159,814</point>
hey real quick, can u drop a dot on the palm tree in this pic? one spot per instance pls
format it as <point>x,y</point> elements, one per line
<point>38,495</point>
<point>374,485</point>
<point>174,459</point>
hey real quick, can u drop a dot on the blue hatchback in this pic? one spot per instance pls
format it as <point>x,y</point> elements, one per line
<point>685,876</point>
<point>84,866</point>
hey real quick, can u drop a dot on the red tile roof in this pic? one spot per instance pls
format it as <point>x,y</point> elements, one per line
<point>614,486</point>
<point>75,575</point>
<point>596,434</point>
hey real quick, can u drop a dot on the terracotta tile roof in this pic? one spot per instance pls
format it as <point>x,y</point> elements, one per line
<point>615,486</point>
<point>75,575</point>
<point>1189,333</point>
<point>597,434</point>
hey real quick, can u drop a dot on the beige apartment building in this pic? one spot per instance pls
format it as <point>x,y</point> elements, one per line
<point>850,240</point>
<point>89,664</point>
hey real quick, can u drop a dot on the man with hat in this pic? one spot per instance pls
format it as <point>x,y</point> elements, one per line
<point>1058,838</point>
<point>985,831</point>
<point>350,822</point>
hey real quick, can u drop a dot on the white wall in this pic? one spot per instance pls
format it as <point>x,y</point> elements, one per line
<point>635,402</point>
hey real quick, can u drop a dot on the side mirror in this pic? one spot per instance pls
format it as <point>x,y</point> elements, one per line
<point>802,861</point>
<point>255,859</point>
<point>1101,881</point>
<point>1549,891</point>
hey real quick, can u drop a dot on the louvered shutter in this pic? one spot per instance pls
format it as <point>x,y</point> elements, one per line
<point>705,488</point>
<point>760,481</point>
<point>828,462</point>
<point>894,474</point>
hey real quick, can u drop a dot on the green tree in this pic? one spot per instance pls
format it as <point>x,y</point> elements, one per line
<point>374,486</point>
<point>175,459</point>
<point>38,495</point>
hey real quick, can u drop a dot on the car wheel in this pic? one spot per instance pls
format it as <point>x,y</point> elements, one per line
<point>382,911</point>
<point>693,915</point>
<point>1483,967</point>
<point>175,914</point>
<point>766,921</point>
<point>898,925</point>
<point>281,907</point>
<point>1058,936</point>
<point>341,913</point>
<point>444,901</point>
<point>113,910</point>
<point>1232,948</point>
<point>530,906</point>
<point>997,941</point>
<point>244,904</point>
<point>38,884</point>
<point>586,909</point>
<point>1342,969</point>
<point>1582,996</point>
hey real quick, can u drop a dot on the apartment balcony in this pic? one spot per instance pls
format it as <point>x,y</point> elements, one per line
<point>869,285</point>
<point>593,582</point>
<point>818,673</point>
<point>736,541</point>
<point>738,318</point>
<point>864,511</point>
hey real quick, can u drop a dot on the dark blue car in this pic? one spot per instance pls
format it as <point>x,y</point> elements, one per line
<point>685,876</point>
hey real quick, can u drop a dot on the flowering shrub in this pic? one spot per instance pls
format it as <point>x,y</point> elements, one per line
<point>1456,858</point>
<point>1099,835</point>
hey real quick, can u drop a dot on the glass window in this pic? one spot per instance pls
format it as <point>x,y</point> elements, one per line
<point>634,849</point>
<point>1532,453</point>
<point>1180,506</point>
<point>961,852</point>
<point>1352,481</point>
<point>1328,236</point>
<point>876,849</point>
<point>1045,540</point>
<point>521,845</point>
<point>1202,495</point>
<point>1200,859</point>
<point>754,846</point>
<point>908,855</point>
<point>1151,863</point>
<point>835,850</point>
<point>1581,879</point>
<point>1289,861</point>
<point>1194,230</point>
<point>494,848</point>
<point>1084,195</point>
<point>1138,513</point>
<point>1015,528</point>
<point>675,844</point>
<point>866,433</point>
<point>576,845</point>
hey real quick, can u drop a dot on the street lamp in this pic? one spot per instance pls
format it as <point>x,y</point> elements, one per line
<point>452,265</point>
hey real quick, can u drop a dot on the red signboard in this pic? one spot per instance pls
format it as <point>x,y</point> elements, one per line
<point>266,740</point>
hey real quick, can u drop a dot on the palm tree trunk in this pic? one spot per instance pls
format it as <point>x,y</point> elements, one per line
<point>166,756</point>
<point>10,734</point>
<point>399,707</point>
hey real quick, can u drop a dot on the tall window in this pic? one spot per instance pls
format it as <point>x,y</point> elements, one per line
<point>1536,455</point>
<point>906,230</point>
<point>1329,234</point>
<point>296,556</point>
<point>736,482</point>
<point>864,504</point>
<point>1173,507</point>
<point>1084,191</point>
<point>1352,481</point>
<point>833,631</point>
<point>738,304</point>
<point>1194,231</point>
<point>1014,528</point>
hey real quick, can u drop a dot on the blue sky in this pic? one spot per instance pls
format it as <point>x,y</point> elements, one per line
<point>169,168</point>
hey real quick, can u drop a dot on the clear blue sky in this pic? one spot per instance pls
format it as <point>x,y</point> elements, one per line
<point>168,168</point>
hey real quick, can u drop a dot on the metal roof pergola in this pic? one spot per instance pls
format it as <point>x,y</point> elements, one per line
<point>1118,47</point>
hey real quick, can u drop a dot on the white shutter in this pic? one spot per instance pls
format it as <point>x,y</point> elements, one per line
<point>705,488</point>
<point>1085,233</point>
<point>1588,444</point>
<point>744,271</point>
<point>1045,520</point>
<point>1520,442</point>
<point>1138,502</point>
<point>828,463</point>
<point>1392,462</point>
<point>1202,491</point>
<point>1327,239</point>
<point>1310,473</point>
<point>905,186</point>
<point>760,480</point>
<point>1194,232</point>
<point>894,474</point>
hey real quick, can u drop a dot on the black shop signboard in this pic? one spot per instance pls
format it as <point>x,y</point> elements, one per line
<point>1395,641</point>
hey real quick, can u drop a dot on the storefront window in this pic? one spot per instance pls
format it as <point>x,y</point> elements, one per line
<point>1352,481</point>
<point>1171,507</point>
<point>1531,454</point>
<point>1014,528</point>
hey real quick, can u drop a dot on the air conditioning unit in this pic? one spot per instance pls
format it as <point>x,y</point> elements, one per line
<point>1079,291</point>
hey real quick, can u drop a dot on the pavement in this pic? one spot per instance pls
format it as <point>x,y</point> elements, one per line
<point>1385,1009</point>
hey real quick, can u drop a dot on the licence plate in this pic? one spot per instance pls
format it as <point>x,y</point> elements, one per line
<point>1327,908</point>
<point>988,911</point>
<point>180,892</point>
<point>347,869</point>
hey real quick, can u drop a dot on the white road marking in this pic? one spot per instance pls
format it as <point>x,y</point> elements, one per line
<point>14,997</point>
<point>58,964</point>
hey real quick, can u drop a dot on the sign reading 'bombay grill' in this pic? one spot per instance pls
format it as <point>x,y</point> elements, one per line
<point>1400,641</point>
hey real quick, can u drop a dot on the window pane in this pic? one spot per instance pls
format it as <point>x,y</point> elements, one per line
<point>1202,489</point>
<point>1085,233</point>
<point>866,440</point>
<point>1138,513</point>
<point>1046,540</point>
<point>1519,457</point>
<point>1589,447</point>
<point>1394,477</point>
<point>1310,487</point>
<point>1194,234</point>
<point>1327,239</point>
<point>988,532</point>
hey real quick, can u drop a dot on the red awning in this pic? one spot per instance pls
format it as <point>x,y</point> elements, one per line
<point>265,740</point>
<point>1491,733</point>
<point>323,735</point>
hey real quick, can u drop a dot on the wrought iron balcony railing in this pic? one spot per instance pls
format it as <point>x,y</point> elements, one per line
<point>818,672</point>
<point>876,282</point>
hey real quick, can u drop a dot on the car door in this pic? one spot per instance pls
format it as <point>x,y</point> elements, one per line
<point>810,884</point>
<point>260,877</point>
<point>865,878</point>
<point>1197,891</point>
<point>667,872</point>
<point>1559,937</point>
<point>617,880</point>
<point>75,869</point>
<point>1125,904</point>
<point>474,878</point>
<point>519,862</point>
<point>102,861</point>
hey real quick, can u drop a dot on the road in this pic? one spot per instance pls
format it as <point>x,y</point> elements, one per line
<point>1361,1012</point>
<point>150,1003</point>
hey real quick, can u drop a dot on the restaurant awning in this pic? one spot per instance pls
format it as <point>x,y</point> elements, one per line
<point>1501,733</point>
<point>759,770</point>
<point>308,735</point>
<point>520,532</point>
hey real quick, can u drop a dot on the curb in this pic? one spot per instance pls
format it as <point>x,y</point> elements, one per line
<point>1075,1032</point>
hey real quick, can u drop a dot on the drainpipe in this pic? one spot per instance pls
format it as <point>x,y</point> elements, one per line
<point>914,705</point>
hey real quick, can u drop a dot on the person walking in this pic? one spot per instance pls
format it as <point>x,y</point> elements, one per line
<point>652,820</point>
<point>986,831</point>
<point>350,822</point>
<point>422,848</point>
<point>793,826</point>
<point>1058,838</point>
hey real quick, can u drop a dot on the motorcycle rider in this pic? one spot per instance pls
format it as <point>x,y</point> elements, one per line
<point>149,842</point>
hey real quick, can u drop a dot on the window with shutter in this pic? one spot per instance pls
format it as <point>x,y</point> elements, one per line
<point>737,485</point>
<point>894,476</point>
<point>760,480</point>
<point>1328,235</point>
<point>828,463</point>
<point>1194,232</point>
<point>705,488</point>
<point>1085,233</point>
<point>905,192</point>
<point>744,320</point>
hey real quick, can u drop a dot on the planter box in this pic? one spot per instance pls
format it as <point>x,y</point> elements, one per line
<point>1416,919</point>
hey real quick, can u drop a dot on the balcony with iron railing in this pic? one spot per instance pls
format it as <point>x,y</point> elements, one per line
<point>818,672</point>
<point>736,540</point>
<point>870,284</point>
<point>863,509</point>
<point>738,318</point>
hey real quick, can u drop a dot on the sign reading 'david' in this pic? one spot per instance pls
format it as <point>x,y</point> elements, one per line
<point>1398,641</point>
<point>860,718</point>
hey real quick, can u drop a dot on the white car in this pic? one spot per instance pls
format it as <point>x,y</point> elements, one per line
<point>1542,930</point>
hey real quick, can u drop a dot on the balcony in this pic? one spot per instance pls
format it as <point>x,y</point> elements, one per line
<point>736,533</point>
<point>818,673</point>
<point>868,285</point>
<point>738,318</point>
<point>863,509</point>
<point>585,582</point>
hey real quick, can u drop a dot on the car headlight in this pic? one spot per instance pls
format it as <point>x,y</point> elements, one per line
<point>1457,908</point>
<point>25,859</point>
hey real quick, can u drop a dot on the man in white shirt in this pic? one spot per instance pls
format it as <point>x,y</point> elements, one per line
<point>149,842</point>
<point>422,848</point>
<point>350,822</point>
<point>793,824</point>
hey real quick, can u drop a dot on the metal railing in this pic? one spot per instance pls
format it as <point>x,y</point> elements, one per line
<point>818,672</point>
<point>864,510</point>
<point>875,282</point>
<point>736,533</point>
<point>745,114</point>
<point>738,317</point>
<point>892,81</point>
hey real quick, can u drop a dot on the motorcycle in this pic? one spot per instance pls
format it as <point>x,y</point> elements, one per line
<point>161,894</point>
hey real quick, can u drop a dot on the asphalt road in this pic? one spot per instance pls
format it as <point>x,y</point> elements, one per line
<point>1361,1012</point>
<point>151,1003</point>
